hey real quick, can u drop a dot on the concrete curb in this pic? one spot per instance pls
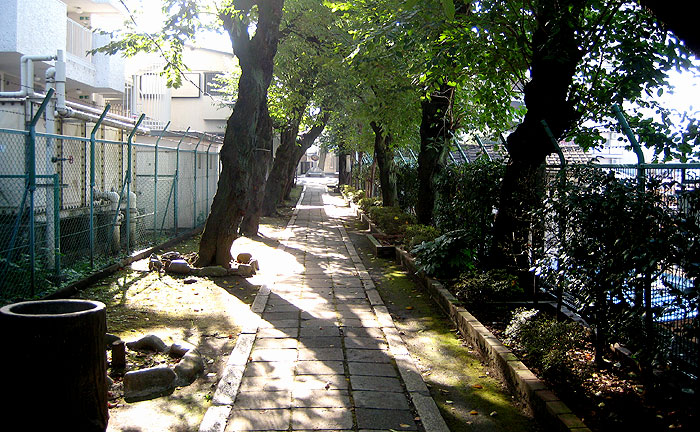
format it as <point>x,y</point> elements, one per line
<point>217,415</point>
<point>529,389</point>
<point>417,390</point>
<point>544,404</point>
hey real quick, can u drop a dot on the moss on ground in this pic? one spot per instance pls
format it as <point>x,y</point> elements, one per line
<point>468,397</point>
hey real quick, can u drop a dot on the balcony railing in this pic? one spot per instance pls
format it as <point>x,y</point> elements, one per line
<point>78,40</point>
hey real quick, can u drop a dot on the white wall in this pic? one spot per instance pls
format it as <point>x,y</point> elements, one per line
<point>38,27</point>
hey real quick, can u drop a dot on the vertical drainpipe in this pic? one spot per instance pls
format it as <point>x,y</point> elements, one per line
<point>92,184</point>
<point>194,207</point>
<point>155,186</point>
<point>207,206</point>
<point>32,184</point>
<point>128,183</point>
<point>176,179</point>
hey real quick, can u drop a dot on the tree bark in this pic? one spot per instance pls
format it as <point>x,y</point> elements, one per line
<point>258,177</point>
<point>436,130</point>
<point>256,59</point>
<point>305,141</point>
<point>343,168</point>
<point>277,181</point>
<point>384,155</point>
<point>555,57</point>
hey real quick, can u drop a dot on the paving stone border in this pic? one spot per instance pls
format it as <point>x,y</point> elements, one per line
<point>529,389</point>
<point>217,415</point>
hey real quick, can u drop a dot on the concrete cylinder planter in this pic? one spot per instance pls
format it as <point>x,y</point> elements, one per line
<point>55,364</point>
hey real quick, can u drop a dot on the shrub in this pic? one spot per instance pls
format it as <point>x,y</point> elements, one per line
<point>546,341</point>
<point>391,220</point>
<point>466,197</point>
<point>477,287</point>
<point>366,203</point>
<point>407,186</point>
<point>445,257</point>
<point>347,189</point>
<point>357,195</point>
<point>417,234</point>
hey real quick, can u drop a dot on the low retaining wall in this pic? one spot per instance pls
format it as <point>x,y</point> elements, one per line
<point>529,389</point>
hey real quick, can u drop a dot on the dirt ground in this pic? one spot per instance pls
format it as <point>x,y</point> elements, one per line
<point>207,314</point>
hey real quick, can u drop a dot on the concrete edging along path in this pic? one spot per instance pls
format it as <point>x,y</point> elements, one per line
<point>542,402</point>
<point>331,365</point>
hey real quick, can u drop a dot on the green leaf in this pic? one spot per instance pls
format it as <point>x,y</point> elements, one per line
<point>448,7</point>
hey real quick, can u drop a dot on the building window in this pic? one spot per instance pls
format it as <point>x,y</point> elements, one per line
<point>212,83</point>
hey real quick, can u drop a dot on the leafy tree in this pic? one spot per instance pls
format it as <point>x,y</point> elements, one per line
<point>248,130</point>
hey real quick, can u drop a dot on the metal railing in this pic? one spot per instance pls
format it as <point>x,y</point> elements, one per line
<point>71,205</point>
<point>78,40</point>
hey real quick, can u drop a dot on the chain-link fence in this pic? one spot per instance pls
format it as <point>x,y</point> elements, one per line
<point>71,205</point>
<point>671,296</point>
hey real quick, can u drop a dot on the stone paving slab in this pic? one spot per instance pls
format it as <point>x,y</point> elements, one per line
<point>322,353</point>
<point>259,420</point>
<point>382,384</point>
<point>321,418</point>
<point>380,400</point>
<point>310,398</point>
<point>385,419</point>
<point>264,400</point>
<point>315,367</point>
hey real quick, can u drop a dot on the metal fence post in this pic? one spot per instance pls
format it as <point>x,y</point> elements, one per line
<point>57,225</point>
<point>176,179</point>
<point>194,207</point>
<point>461,152</point>
<point>155,185</point>
<point>31,156</point>
<point>555,143</point>
<point>128,183</point>
<point>483,147</point>
<point>207,206</point>
<point>641,175</point>
<point>92,184</point>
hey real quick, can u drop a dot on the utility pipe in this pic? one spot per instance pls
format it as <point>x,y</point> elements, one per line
<point>92,184</point>
<point>155,185</point>
<point>26,76</point>
<point>128,182</point>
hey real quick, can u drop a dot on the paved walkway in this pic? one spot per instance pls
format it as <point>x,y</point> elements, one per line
<point>323,352</point>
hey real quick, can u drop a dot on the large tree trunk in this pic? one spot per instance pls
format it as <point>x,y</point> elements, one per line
<point>256,58</point>
<point>306,140</point>
<point>436,131</point>
<point>384,155</point>
<point>277,181</point>
<point>258,177</point>
<point>555,56</point>
<point>343,168</point>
